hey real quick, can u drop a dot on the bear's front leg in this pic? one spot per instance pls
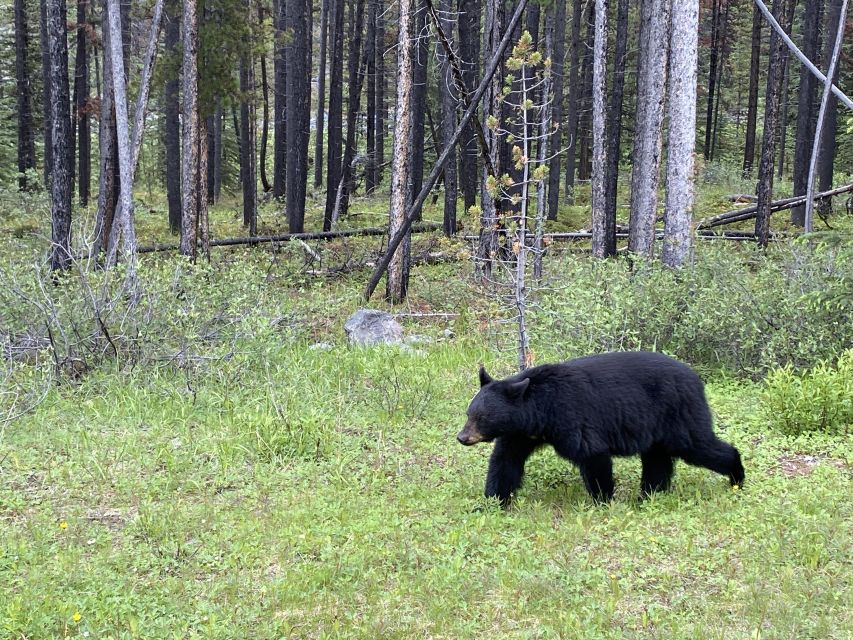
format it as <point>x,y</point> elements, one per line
<point>597,473</point>
<point>506,466</point>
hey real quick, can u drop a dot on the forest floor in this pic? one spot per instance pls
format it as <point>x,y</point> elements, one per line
<point>226,466</point>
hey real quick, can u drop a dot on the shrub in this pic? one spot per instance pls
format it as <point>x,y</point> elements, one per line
<point>818,399</point>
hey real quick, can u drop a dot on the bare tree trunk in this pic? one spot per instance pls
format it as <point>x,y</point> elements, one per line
<point>651,94</point>
<point>683,67</point>
<point>573,109</point>
<point>123,223</point>
<point>827,93</point>
<point>60,120</point>
<point>81,103</point>
<point>545,136</point>
<point>585,114</point>
<point>764,189</point>
<point>599,147</point>
<point>826,158</point>
<point>336,93</point>
<point>557,20</point>
<point>108,157</point>
<point>398,269</point>
<point>448,122</point>
<point>321,95</point>
<point>298,121</point>
<point>190,174</point>
<point>806,105</point>
<point>614,129</point>
<point>47,100</point>
<point>469,52</point>
<point>752,100</point>
<point>716,28</point>
<point>370,53</point>
<point>355,83</point>
<point>265,123</point>
<point>280,64</point>
<point>26,142</point>
<point>247,144</point>
<point>419,98</point>
<point>721,64</point>
<point>379,143</point>
<point>172,126</point>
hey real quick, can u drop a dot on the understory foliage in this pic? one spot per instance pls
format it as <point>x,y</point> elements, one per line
<point>817,399</point>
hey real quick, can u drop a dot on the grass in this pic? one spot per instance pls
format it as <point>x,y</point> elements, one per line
<point>256,487</point>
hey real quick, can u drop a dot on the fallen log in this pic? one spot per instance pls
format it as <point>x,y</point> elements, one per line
<point>286,237</point>
<point>746,213</point>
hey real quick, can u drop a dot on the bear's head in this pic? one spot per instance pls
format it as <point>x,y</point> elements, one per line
<point>494,410</point>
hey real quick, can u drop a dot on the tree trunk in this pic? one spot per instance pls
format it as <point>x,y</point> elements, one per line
<point>210,148</point>
<point>585,115</point>
<point>26,142</point>
<point>355,82</point>
<point>280,111</point>
<point>81,101</point>
<point>108,157</point>
<point>448,121</point>
<point>599,147</point>
<point>752,100</point>
<point>784,100</point>
<point>370,53</point>
<point>721,63</point>
<point>381,112</point>
<point>217,157</point>
<point>336,93</point>
<point>614,128</point>
<point>573,108</point>
<point>190,175</point>
<point>806,108</point>
<point>247,142</point>
<point>469,52</point>
<point>651,94</point>
<point>398,269</point>
<point>60,119</point>
<point>265,124</point>
<point>683,68</point>
<point>764,189</point>
<point>716,20</point>
<point>559,26</point>
<point>298,120</point>
<point>321,95</point>
<point>826,157</point>
<point>47,100</point>
<point>172,125</point>
<point>419,97</point>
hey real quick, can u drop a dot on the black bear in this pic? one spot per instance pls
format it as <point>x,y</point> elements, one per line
<point>592,408</point>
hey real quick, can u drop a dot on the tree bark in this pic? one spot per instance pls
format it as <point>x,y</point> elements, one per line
<point>764,189</point>
<point>26,141</point>
<point>752,100</point>
<point>557,65</point>
<point>826,157</point>
<point>419,97</point>
<point>355,83</point>
<point>280,111</point>
<point>47,100</point>
<point>469,52</point>
<point>448,122</point>
<point>191,175</point>
<point>108,157</point>
<point>321,95</point>
<point>683,68</point>
<point>217,142</point>
<point>716,29</point>
<point>651,94</point>
<point>298,120</point>
<point>721,64</point>
<point>398,269</point>
<point>573,108</point>
<point>172,125</point>
<point>585,114</point>
<point>614,128</point>
<point>821,118</point>
<point>60,120</point>
<point>806,107</point>
<point>381,112</point>
<point>336,92</point>
<point>265,124</point>
<point>370,53</point>
<point>81,104</point>
<point>599,146</point>
<point>247,142</point>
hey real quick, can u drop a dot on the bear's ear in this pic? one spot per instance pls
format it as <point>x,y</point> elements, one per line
<point>517,389</point>
<point>485,378</point>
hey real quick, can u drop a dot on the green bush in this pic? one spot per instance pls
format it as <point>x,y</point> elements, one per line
<point>818,399</point>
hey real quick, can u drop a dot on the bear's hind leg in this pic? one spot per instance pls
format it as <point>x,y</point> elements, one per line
<point>657,471</point>
<point>718,456</point>
<point>597,474</point>
<point>506,466</point>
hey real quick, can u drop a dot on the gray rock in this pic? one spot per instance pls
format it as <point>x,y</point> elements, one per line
<point>370,327</point>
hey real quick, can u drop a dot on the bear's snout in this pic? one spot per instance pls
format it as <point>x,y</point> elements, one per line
<point>469,435</point>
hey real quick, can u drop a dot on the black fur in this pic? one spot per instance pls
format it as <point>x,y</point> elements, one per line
<point>593,408</point>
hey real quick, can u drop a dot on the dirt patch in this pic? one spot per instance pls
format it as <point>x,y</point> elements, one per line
<point>114,519</point>
<point>801,464</point>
